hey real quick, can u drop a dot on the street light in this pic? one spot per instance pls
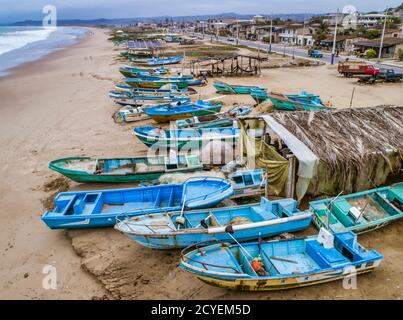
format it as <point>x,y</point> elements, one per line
<point>237,32</point>
<point>383,35</point>
<point>335,38</point>
<point>271,31</point>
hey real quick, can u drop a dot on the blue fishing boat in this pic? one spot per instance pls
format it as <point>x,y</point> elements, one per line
<point>171,77</point>
<point>224,119</point>
<point>360,212</point>
<point>182,229</point>
<point>141,100</point>
<point>281,264</point>
<point>156,137</point>
<point>131,91</point>
<point>248,182</point>
<point>168,112</point>
<point>133,72</point>
<point>164,61</point>
<point>102,208</point>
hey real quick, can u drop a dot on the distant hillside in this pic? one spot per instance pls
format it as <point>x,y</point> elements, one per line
<point>128,21</point>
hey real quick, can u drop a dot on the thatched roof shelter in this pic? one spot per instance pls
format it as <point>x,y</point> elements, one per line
<point>356,148</point>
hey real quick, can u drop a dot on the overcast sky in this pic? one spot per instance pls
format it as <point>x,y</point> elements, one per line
<point>15,10</point>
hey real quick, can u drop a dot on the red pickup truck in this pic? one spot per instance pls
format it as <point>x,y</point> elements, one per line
<point>352,68</point>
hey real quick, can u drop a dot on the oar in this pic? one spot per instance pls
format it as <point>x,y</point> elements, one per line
<point>328,207</point>
<point>181,220</point>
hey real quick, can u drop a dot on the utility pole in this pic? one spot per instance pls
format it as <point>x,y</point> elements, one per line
<point>383,35</point>
<point>271,31</point>
<point>303,34</point>
<point>203,29</point>
<point>237,32</point>
<point>335,38</point>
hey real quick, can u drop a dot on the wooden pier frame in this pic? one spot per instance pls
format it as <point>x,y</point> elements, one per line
<point>228,66</point>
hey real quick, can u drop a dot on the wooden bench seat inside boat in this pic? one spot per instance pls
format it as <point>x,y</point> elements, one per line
<point>90,203</point>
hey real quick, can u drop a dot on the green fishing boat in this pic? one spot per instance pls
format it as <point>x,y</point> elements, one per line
<point>360,212</point>
<point>294,102</point>
<point>123,170</point>
<point>223,87</point>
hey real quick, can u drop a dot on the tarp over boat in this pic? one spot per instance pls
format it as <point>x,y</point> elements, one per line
<point>346,150</point>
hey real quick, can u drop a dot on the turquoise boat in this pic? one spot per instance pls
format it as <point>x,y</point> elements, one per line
<point>103,208</point>
<point>224,119</point>
<point>248,183</point>
<point>141,100</point>
<point>179,230</point>
<point>159,61</point>
<point>281,264</point>
<point>131,91</point>
<point>223,87</point>
<point>123,170</point>
<point>259,95</point>
<point>157,83</point>
<point>292,102</point>
<point>172,112</point>
<point>360,212</point>
<point>156,137</point>
<point>133,72</point>
<point>164,61</point>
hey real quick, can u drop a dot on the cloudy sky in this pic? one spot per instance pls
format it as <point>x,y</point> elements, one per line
<point>15,10</point>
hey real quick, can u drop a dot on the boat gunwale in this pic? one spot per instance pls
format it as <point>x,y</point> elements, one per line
<point>358,229</point>
<point>284,98</point>
<point>216,229</point>
<point>211,273</point>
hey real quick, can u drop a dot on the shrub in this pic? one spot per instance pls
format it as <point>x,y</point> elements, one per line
<point>400,54</point>
<point>370,54</point>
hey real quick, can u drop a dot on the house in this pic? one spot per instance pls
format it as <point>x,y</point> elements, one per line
<point>215,25</point>
<point>306,37</point>
<point>241,28</point>
<point>343,43</point>
<point>390,46</point>
<point>393,33</point>
<point>289,34</point>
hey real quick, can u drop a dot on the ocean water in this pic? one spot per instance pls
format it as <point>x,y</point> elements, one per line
<point>23,44</point>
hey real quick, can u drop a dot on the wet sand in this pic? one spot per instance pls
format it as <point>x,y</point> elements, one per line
<point>58,107</point>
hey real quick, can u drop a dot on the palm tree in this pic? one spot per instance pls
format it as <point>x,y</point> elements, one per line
<point>322,32</point>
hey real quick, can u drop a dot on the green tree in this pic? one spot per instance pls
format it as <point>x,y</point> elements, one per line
<point>372,34</point>
<point>322,32</point>
<point>393,22</point>
<point>400,54</point>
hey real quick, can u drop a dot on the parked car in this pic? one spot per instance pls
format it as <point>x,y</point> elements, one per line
<point>389,75</point>
<point>231,39</point>
<point>315,54</point>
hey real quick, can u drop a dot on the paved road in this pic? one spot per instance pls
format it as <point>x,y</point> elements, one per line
<point>293,51</point>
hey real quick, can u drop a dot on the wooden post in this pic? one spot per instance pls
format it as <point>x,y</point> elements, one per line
<point>291,176</point>
<point>266,187</point>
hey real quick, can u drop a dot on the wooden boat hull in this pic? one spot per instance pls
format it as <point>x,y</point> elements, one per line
<point>166,236</point>
<point>174,117</point>
<point>259,96</point>
<point>223,87</point>
<point>226,119</point>
<point>279,284</point>
<point>121,166</point>
<point>378,207</point>
<point>283,102</point>
<point>145,84</point>
<point>103,208</point>
<point>286,264</point>
<point>199,141</point>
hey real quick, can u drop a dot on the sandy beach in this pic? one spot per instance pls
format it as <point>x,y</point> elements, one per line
<point>58,107</point>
